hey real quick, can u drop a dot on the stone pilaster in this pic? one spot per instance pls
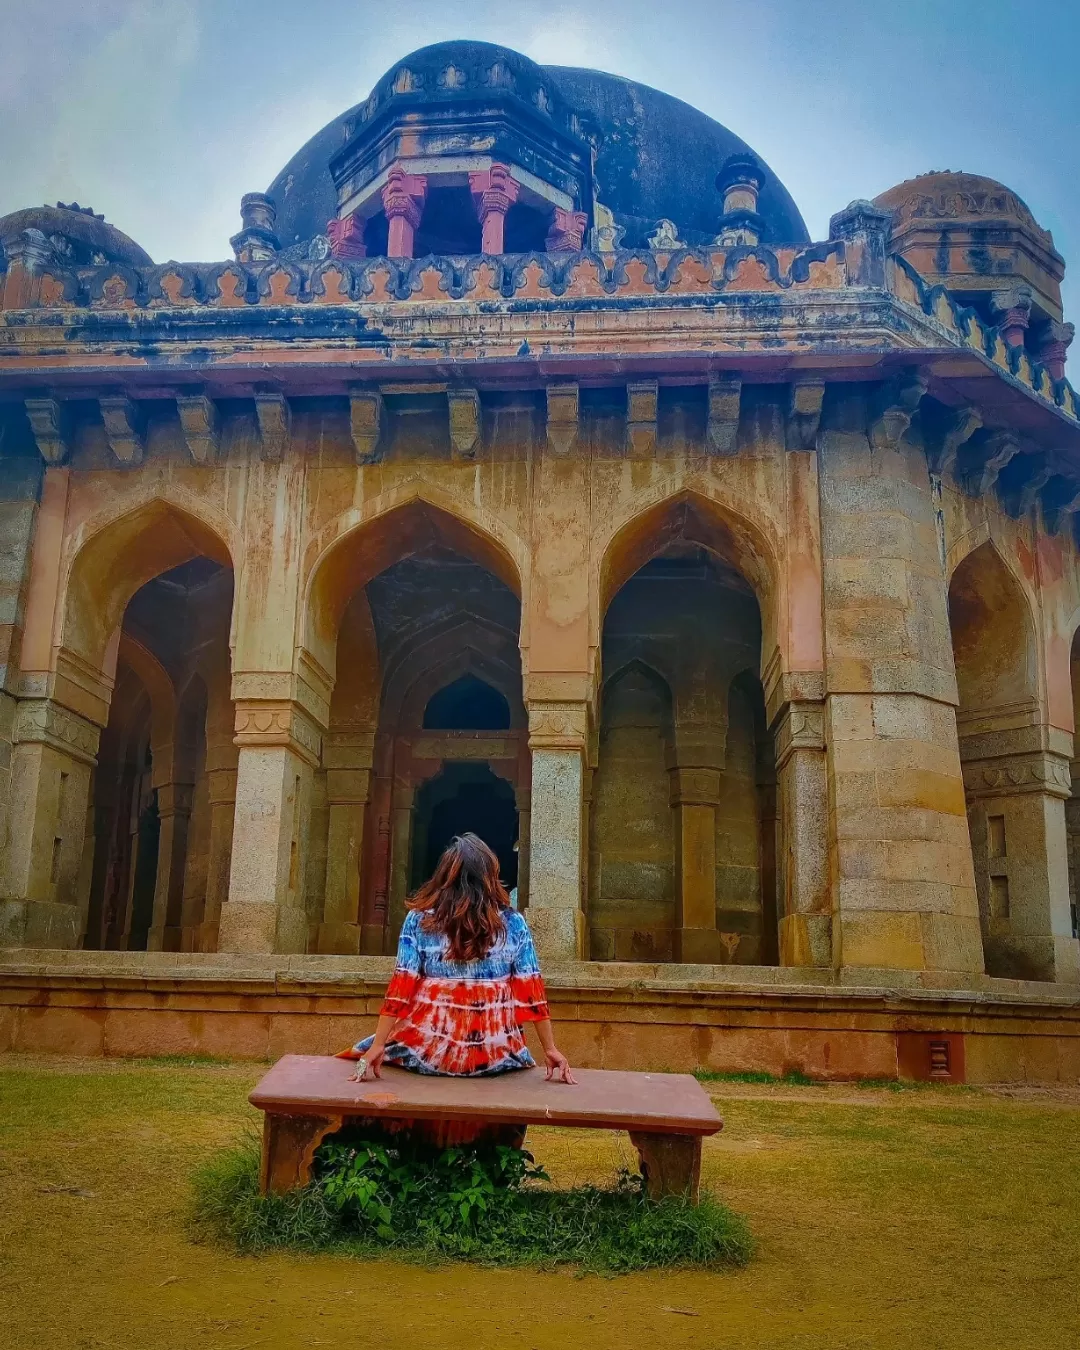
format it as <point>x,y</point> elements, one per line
<point>348,760</point>
<point>221,792</point>
<point>695,794</point>
<point>1017,815</point>
<point>43,904</point>
<point>174,817</point>
<point>279,746</point>
<point>558,735</point>
<point>900,859</point>
<point>805,923</point>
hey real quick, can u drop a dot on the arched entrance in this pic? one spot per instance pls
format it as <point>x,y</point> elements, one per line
<point>464,797</point>
<point>682,846</point>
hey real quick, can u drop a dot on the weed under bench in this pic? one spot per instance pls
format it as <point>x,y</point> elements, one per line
<point>307,1097</point>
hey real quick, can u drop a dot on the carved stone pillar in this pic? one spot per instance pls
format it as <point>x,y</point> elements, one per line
<point>1054,347</point>
<point>805,924</point>
<point>1012,309</point>
<point>567,233</point>
<point>174,816</point>
<point>1016,813</point>
<point>401,824</point>
<point>43,904</point>
<point>279,747</point>
<point>348,788</point>
<point>221,791</point>
<point>695,795</point>
<point>558,734</point>
<point>346,235</point>
<point>524,807</point>
<point>494,193</point>
<point>403,201</point>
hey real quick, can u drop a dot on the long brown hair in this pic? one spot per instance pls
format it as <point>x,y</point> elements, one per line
<point>465,898</point>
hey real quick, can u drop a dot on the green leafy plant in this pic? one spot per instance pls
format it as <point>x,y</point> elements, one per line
<point>485,1202</point>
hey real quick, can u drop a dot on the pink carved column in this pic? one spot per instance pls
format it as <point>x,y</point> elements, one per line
<point>346,235</point>
<point>1012,309</point>
<point>1055,347</point>
<point>567,233</point>
<point>403,201</point>
<point>494,192</point>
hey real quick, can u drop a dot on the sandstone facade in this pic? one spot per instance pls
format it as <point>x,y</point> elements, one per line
<point>733,578</point>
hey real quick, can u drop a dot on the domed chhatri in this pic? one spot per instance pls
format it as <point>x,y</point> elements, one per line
<point>527,470</point>
<point>73,234</point>
<point>979,239</point>
<point>580,148</point>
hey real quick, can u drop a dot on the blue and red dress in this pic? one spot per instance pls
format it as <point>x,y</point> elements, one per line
<point>461,1018</point>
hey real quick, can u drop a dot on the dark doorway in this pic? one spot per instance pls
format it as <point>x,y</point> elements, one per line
<point>464,797</point>
<point>468,704</point>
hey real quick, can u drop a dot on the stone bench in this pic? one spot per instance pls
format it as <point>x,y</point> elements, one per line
<point>307,1097</point>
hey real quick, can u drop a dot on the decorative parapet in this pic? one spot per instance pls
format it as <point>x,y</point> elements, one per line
<point>964,326</point>
<point>834,270</point>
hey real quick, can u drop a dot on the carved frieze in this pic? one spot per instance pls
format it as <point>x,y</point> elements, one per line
<point>1005,776</point>
<point>278,723</point>
<point>43,721</point>
<point>558,726</point>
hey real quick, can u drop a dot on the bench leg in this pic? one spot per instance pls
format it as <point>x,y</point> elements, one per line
<point>288,1147</point>
<point>670,1163</point>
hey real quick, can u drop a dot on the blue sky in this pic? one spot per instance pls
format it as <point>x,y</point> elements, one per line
<point>161,113</point>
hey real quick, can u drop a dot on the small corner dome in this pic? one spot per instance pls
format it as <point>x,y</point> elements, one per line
<point>78,235</point>
<point>974,236</point>
<point>656,156</point>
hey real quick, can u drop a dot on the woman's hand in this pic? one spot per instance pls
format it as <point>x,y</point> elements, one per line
<point>557,1063</point>
<point>370,1066</point>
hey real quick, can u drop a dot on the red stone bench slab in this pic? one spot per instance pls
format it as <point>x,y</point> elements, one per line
<point>307,1097</point>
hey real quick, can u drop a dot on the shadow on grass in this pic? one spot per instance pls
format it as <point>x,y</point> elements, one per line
<point>599,1230</point>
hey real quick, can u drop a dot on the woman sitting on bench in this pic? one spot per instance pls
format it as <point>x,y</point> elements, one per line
<point>466,979</point>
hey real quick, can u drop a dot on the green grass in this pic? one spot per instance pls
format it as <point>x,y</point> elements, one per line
<point>793,1076</point>
<point>610,1230</point>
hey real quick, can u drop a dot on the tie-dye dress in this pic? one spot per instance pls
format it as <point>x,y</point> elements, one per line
<point>461,1018</point>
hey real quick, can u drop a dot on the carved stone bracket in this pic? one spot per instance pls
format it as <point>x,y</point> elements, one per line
<point>893,407</point>
<point>278,723</point>
<point>1021,481</point>
<point>558,726</point>
<point>804,413</point>
<point>366,416</point>
<point>272,413</point>
<point>563,417</point>
<point>944,432</point>
<point>1005,776</point>
<point>123,428</point>
<point>800,726</point>
<point>694,787</point>
<point>1060,498</point>
<point>199,423</point>
<point>49,423</point>
<point>642,397</point>
<point>43,721</point>
<point>465,422</point>
<point>722,424</point>
<point>985,457</point>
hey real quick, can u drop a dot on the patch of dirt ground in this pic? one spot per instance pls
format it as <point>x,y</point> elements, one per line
<point>933,1218</point>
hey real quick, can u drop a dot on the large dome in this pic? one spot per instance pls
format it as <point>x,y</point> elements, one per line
<point>657,156</point>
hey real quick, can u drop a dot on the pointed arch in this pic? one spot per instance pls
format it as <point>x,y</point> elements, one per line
<point>357,547</point>
<point>994,636</point>
<point>690,517</point>
<point>111,559</point>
